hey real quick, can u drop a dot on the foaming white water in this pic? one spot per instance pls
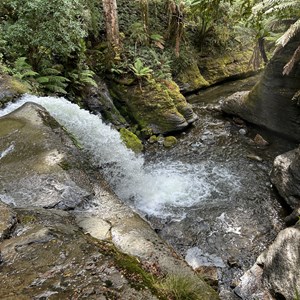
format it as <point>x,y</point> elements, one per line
<point>155,190</point>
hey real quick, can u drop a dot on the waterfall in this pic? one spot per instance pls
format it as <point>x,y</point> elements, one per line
<point>162,189</point>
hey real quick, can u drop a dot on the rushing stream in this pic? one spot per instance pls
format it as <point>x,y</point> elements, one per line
<point>205,196</point>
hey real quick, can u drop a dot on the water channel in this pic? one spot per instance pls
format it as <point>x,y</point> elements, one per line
<point>209,196</point>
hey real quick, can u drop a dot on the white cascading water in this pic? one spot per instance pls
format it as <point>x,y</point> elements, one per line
<point>153,190</point>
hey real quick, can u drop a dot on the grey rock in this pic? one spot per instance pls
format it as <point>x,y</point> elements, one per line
<point>281,273</point>
<point>276,274</point>
<point>285,176</point>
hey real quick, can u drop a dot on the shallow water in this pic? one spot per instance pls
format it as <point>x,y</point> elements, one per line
<point>239,214</point>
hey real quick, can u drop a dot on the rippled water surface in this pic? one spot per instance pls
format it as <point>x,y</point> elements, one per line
<point>238,213</point>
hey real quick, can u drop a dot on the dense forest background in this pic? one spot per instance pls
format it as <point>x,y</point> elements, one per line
<point>59,46</point>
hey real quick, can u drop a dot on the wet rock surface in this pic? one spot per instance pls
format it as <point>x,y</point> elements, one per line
<point>46,254</point>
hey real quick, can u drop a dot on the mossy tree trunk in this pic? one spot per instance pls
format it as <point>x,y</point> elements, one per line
<point>112,27</point>
<point>176,24</point>
<point>145,14</point>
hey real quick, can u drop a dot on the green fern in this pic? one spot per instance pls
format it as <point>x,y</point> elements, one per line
<point>140,70</point>
<point>83,77</point>
<point>51,80</point>
<point>23,70</point>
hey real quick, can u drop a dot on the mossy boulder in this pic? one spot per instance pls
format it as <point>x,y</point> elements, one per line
<point>190,79</point>
<point>10,89</point>
<point>170,141</point>
<point>131,140</point>
<point>155,105</point>
<point>180,102</point>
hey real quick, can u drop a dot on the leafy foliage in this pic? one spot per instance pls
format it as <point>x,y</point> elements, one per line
<point>39,28</point>
<point>140,70</point>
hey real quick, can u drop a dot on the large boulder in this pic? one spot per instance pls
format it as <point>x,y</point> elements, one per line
<point>269,103</point>
<point>285,176</point>
<point>276,274</point>
<point>57,198</point>
<point>158,106</point>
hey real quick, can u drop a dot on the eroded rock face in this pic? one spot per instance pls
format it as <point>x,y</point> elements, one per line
<point>98,101</point>
<point>7,220</point>
<point>276,274</point>
<point>269,103</point>
<point>48,257</point>
<point>281,262</point>
<point>286,177</point>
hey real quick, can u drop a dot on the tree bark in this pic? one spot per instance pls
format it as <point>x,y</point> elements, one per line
<point>112,26</point>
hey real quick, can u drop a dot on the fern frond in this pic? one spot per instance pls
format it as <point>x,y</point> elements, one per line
<point>50,71</point>
<point>283,6</point>
<point>56,89</point>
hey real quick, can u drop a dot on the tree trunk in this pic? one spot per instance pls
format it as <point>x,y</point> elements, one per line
<point>261,44</point>
<point>176,24</point>
<point>112,27</point>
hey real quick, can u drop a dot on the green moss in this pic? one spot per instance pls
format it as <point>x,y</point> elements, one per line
<point>170,141</point>
<point>18,87</point>
<point>28,219</point>
<point>153,139</point>
<point>191,79</point>
<point>153,106</point>
<point>217,68</point>
<point>131,140</point>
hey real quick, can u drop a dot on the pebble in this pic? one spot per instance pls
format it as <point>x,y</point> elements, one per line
<point>242,131</point>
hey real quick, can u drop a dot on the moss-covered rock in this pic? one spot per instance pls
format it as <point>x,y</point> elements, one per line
<point>170,141</point>
<point>155,105</point>
<point>190,79</point>
<point>131,140</point>
<point>231,64</point>
<point>153,139</point>
<point>10,88</point>
<point>180,102</point>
